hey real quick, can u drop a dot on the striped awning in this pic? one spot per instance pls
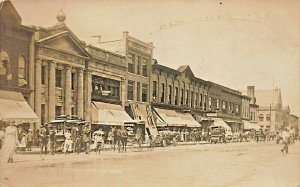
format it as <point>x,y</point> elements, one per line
<point>13,107</point>
<point>109,114</point>
<point>174,118</point>
<point>249,126</point>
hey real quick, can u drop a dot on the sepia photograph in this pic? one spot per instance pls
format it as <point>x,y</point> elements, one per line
<point>131,93</point>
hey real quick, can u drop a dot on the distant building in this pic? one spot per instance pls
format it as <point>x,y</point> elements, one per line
<point>294,122</point>
<point>253,106</point>
<point>270,113</point>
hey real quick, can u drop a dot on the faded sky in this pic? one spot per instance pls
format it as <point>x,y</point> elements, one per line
<point>232,42</point>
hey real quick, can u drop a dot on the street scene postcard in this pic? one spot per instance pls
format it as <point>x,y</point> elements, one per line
<point>137,93</point>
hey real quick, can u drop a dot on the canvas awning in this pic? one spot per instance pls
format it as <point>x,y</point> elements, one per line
<point>248,125</point>
<point>221,123</point>
<point>174,118</point>
<point>109,114</point>
<point>13,107</point>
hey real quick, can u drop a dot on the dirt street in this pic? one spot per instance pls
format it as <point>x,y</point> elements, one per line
<point>236,164</point>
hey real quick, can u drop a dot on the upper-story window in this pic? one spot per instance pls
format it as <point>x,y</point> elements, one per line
<point>204,102</point>
<point>224,106</point>
<point>192,99</point>
<point>58,78</point>
<point>43,74</point>
<point>144,92</point>
<point>176,95</point>
<point>218,104</point>
<point>201,104</point>
<point>131,63</point>
<point>268,117</point>
<point>182,97</point>
<point>170,94</point>
<point>186,97</point>
<point>196,99</point>
<point>210,103</point>
<point>145,69</point>
<point>21,71</point>
<point>138,91</point>
<point>162,98</point>
<point>138,69</point>
<point>73,84</point>
<point>130,90</point>
<point>237,109</point>
<point>154,94</point>
<point>261,117</point>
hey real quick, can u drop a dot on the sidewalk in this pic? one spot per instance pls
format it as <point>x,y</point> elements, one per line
<point>37,150</point>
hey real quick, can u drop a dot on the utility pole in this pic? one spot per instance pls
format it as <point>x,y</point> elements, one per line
<point>270,115</point>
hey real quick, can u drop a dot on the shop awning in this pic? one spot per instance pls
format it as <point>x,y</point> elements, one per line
<point>13,107</point>
<point>173,118</point>
<point>249,126</point>
<point>109,114</point>
<point>221,123</point>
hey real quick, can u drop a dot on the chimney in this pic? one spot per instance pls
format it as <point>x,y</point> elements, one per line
<point>98,38</point>
<point>125,34</point>
<point>251,93</point>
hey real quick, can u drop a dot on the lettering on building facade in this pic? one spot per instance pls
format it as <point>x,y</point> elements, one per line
<point>61,56</point>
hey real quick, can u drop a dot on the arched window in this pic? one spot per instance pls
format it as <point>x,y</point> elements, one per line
<point>21,71</point>
<point>261,117</point>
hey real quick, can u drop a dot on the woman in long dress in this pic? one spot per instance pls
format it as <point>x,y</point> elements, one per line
<point>9,144</point>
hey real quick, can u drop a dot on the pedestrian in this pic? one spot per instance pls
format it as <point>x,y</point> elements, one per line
<point>9,144</point>
<point>117,138</point>
<point>98,142</point>
<point>138,136</point>
<point>29,139</point>
<point>68,141</point>
<point>44,138</point>
<point>110,138</point>
<point>86,139</point>
<point>285,137</point>
<point>52,139</point>
<point>124,139</point>
<point>2,136</point>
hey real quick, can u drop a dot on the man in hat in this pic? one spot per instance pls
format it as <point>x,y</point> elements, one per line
<point>2,136</point>
<point>285,137</point>
<point>86,138</point>
<point>44,138</point>
<point>29,139</point>
<point>52,139</point>
<point>68,141</point>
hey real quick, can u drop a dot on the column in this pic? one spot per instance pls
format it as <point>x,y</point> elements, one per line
<point>51,91</point>
<point>37,91</point>
<point>68,90</point>
<point>80,93</point>
<point>88,96</point>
